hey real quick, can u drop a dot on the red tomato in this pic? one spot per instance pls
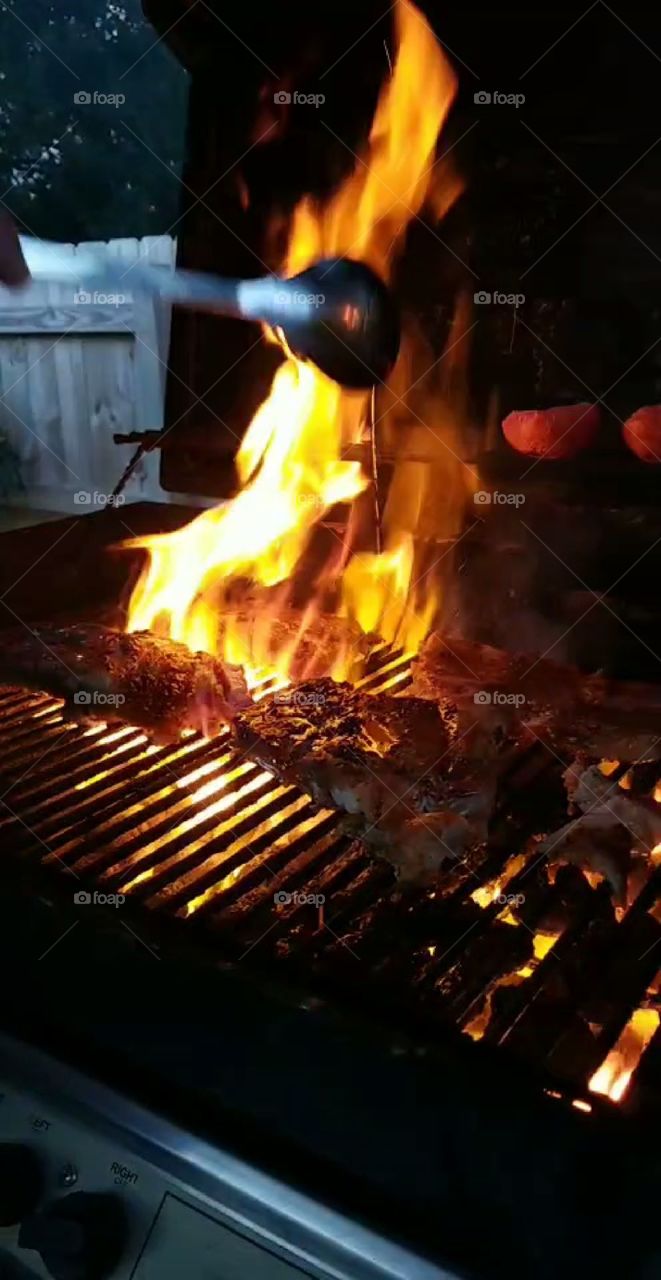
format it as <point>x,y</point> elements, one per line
<point>642,433</point>
<point>552,433</point>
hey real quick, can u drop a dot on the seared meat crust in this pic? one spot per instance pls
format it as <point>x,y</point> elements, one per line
<point>395,766</point>
<point>618,719</point>
<point>140,678</point>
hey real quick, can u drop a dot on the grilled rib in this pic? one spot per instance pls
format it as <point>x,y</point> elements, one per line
<point>397,767</point>
<point>618,719</point>
<point>613,825</point>
<point>582,718</point>
<point>140,679</point>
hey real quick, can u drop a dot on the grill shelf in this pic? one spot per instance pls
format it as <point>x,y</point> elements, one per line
<point>197,832</point>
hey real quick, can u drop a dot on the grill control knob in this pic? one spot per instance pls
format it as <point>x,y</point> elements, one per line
<point>79,1237</point>
<point>21,1182</point>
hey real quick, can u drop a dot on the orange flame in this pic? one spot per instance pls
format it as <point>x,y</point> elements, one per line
<point>290,463</point>
<point>614,1075</point>
<point>368,216</point>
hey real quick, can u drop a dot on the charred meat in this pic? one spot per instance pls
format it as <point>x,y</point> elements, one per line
<point>556,703</point>
<point>612,827</point>
<point>397,767</point>
<point>139,679</point>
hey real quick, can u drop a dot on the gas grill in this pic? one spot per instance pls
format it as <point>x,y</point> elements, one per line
<point>145,879</point>
<point>198,834</point>
<point>230,1040</point>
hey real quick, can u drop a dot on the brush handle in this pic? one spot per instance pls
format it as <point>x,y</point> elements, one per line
<point>268,299</point>
<point>336,313</point>
<point>94,270</point>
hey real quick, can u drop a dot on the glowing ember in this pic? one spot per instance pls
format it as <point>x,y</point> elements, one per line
<point>487,893</point>
<point>542,944</point>
<point>578,1103</point>
<point>290,464</point>
<point>480,1021</point>
<point>614,1075</point>
<point>594,878</point>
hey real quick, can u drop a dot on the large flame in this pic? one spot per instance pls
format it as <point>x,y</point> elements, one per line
<point>368,216</point>
<point>290,463</point>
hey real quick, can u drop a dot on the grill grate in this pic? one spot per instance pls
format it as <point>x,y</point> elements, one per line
<point>198,832</point>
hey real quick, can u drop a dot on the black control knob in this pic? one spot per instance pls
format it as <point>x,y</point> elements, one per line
<point>79,1237</point>
<point>21,1182</point>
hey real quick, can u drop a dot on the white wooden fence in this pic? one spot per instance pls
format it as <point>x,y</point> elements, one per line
<point>76,368</point>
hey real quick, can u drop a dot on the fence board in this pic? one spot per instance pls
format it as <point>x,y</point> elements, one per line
<point>73,371</point>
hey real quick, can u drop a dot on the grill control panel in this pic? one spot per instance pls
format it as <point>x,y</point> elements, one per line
<point>124,1220</point>
<point>94,1186</point>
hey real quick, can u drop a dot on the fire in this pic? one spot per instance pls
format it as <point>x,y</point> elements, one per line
<point>542,943</point>
<point>290,464</point>
<point>614,1075</point>
<point>368,216</point>
<point>376,591</point>
<point>487,893</point>
<point>291,469</point>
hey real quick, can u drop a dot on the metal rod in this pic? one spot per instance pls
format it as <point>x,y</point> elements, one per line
<point>378,541</point>
<point>128,471</point>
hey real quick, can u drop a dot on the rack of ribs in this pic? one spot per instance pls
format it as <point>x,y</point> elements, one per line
<point>571,711</point>
<point>140,679</point>
<point>400,769</point>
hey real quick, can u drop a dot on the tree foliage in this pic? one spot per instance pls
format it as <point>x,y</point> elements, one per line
<point>77,162</point>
